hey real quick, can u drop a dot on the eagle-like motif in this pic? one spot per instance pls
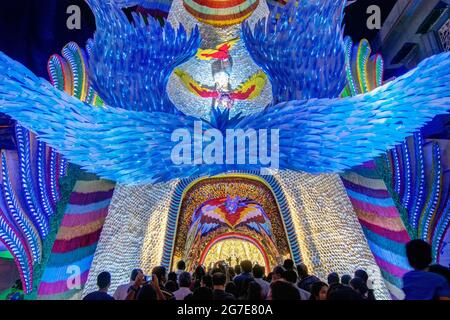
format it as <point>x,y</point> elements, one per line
<point>300,49</point>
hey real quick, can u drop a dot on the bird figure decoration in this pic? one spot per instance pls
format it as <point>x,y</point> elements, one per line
<point>302,53</point>
<point>221,52</point>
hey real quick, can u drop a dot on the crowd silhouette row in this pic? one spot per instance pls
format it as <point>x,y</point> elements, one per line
<point>286,282</point>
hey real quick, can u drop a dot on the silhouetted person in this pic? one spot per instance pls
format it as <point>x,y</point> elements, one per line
<point>181,267</point>
<point>230,287</point>
<point>103,283</point>
<point>171,286</point>
<point>443,271</point>
<point>283,290</point>
<point>362,274</point>
<point>121,292</point>
<point>333,278</point>
<point>172,276</point>
<point>197,277</point>
<point>288,264</point>
<point>254,292</point>
<point>154,289</point>
<point>345,279</point>
<point>160,272</point>
<point>291,276</point>
<point>305,279</point>
<point>258,273</point>
<point>319,291</point>
<point>184,280</point>
<point>244,278</point>
<point>207,281</point>
<point>219,292</point>
<point>420,284</point>
<point>237,270</point>
<point>231,273</point>
<point>172,282</point>
<point>360,287</point>
<point>200,294</point>
<point>277,273</point>
<point>338,291</point>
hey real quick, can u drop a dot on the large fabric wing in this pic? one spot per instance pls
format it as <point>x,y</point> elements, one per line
<point>300,47</point>
<point>126,3</point>
<point>121,145</point>
<point>316,136</point>
<point>131,61</point>
<point>331,135</point>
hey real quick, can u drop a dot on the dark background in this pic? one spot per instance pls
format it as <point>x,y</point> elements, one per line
<point>32,30</point>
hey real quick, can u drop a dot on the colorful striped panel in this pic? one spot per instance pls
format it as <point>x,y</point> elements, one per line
<point>419,177</point>
<point>28,194</point>
<point>364,72</point>
<point>381,223</point>
<point>76,241</point>
<point>221,13</point>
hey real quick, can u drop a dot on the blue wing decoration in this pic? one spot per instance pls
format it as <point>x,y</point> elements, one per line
<point>301,48</point>
<point>126,3</point>
<point>121,145</point>
<point>332,135</point>
<point>131,61</point>
<point>316,136</point>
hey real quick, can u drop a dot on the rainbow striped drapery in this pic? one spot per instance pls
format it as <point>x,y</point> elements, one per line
<point>76,241</point>
<point>381,223</point>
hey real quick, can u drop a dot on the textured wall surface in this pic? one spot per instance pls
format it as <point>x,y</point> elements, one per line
<point>329,234</point>
<point>133,233</point>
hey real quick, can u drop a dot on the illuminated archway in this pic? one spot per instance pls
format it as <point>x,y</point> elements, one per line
<point>261,191</point>
<point>256,256</point>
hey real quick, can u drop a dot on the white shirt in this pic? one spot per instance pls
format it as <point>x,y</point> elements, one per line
<point>265,287</point>
<point>122,291</point>
<point>178,272</point>
<point>181,293</point>
<point>305,295</point>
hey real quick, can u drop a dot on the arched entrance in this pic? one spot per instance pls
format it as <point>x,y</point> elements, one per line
<point>232,248</point>
<point>233,206</point>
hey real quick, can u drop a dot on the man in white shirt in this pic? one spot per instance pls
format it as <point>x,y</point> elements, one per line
<point>291,276</point>
<point>181,266</point>
<point>122,290</point>
<point>258,272</point>
<point>184,281</point>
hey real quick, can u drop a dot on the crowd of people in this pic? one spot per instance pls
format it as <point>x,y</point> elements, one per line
<point>286,282</point>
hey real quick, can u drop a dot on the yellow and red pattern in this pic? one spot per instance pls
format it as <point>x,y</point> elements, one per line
<point>248,90</point>
<point>215,211</point>
<point>251,88</point>
<point>221,52</point>
<point>221,13</point>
